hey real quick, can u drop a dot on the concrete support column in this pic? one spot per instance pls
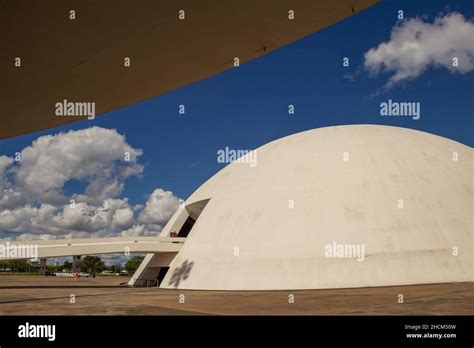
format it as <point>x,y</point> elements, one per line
<point>42,269</point>
<point>75,263</point>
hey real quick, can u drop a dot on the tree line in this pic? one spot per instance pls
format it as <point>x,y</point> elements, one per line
<point>89,264</point>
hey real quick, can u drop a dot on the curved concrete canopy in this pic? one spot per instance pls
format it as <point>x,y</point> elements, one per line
<point>397,192</point>
<point>82,60</point>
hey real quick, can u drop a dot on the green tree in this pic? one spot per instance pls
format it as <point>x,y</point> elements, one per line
<point>67,265</point>
<point>16,265</point>
<point>133,263</point>
<point>92,264</point>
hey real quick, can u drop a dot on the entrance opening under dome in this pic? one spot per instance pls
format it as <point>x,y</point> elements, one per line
<point>161,274</point>
<point>181,228</point>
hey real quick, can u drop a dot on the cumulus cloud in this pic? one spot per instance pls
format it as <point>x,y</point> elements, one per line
<point>165,201</point>
<point>5,162</point>
<point>34,205</point>
<point>416,45</point>
<point>135,230</point>
<point>95,155</point>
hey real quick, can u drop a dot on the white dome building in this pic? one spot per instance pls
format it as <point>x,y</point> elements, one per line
<point>335,207</point>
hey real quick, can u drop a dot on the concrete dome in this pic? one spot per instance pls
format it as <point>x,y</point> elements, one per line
<point>394,193</point>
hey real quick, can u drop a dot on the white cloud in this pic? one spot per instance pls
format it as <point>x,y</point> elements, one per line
<point>159,207</point>
<point>5,162</point>
<point>415,45</point>
<point>94,155</point>
<point>135,230</point>
<point>122,217</point>
<point>32,199</point>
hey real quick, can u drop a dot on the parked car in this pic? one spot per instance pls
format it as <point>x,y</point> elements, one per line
<point>84,275</point>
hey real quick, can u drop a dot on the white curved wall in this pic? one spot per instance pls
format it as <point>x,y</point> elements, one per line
<point>347,202</point>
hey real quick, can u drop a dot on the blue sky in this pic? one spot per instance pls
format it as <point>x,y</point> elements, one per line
<point>246,107</point>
